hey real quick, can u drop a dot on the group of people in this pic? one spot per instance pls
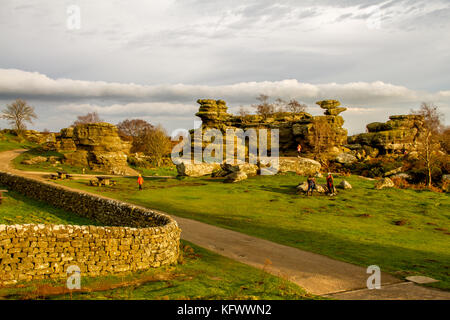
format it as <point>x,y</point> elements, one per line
<point>312,185</point>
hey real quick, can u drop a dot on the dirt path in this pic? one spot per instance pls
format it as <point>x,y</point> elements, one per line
<point>316,273</point>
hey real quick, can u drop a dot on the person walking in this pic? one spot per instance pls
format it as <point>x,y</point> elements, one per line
<point>330,184</point>
<point>299,149</point>
<point>140,181</point>
<point>311,185</point>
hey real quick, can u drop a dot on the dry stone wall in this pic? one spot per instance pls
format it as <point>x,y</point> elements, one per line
<point>135,239</point>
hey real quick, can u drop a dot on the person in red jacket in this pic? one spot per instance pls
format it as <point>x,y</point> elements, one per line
<point>140,182</point>
<point>299,149</point>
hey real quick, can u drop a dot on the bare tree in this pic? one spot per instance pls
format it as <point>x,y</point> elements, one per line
<point>243,112</point>
<point>429,137</point>
<point>280,105</point>
<point>91,117</point>
<point>296,107</point>
<point>156,144</point>
<point>18,114</point>
<point>133,128</point>
<point>264,108</point>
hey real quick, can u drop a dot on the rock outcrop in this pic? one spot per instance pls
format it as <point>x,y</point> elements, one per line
<point>189,169</point>
<point>97,146</point>
<point>294,128</point>
<point>397,135</point>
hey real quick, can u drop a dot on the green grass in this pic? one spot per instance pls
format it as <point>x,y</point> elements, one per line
<point>357,226</point>
<point>18,209</point>
<point>47,166</point>
<point>11,142</point>
<point>202,275</point>
<point>160,171</point>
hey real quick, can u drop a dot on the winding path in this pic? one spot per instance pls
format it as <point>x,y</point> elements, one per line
<point>316,273</point>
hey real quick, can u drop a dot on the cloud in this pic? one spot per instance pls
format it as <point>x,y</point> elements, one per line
<point>18,83</point>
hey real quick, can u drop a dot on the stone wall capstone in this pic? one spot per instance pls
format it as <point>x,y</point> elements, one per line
<point>136,238</point>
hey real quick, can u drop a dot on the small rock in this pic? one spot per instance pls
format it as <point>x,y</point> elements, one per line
<point>384,183</point>
<point>236,177</point>
<point>344,185</point>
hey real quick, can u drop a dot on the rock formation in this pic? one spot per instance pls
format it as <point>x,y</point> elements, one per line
<point>97,146</point>
<point>294,128</point>
<point>398,134</point>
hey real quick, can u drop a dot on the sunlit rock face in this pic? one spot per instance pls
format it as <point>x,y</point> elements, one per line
<point>400,133</point>
<point>96,146</point>
<point>294,128</point>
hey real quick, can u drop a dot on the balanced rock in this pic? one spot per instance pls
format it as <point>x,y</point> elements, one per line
<point>384,183</point>
<point>331,107</point>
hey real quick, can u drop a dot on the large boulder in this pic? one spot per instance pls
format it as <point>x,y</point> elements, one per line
<point>248,168</point>
<point>302,166</point>
<point>190,169</point>
<point>384,183</point>
<point>236,177</point>
<point>346,158</point>
<point>34,160</point>
<point>303,188</point>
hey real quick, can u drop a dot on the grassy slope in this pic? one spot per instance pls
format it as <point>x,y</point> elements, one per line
<point>17,209</point>
<point>358,226</point>
<point>204,274</point>
<point>11,142</point>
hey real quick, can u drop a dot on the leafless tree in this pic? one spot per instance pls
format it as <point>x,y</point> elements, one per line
<point>91,117</point>
<point>295,107</point>
<point>243,112</point>
<point>429,138</point>
<point>131,129</point>
<point>264,108</point>
<point>18,114</point>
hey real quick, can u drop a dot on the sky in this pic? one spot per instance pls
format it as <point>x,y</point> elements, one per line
<point>153,59</point>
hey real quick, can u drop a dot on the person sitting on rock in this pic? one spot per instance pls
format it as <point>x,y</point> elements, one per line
<point>330,184</point>
<point>311,185</point>
<point>140,182</point>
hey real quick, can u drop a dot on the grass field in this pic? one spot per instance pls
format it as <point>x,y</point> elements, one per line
<point>202,275</point>
<point>11,142</point>
<point>405,232</point>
